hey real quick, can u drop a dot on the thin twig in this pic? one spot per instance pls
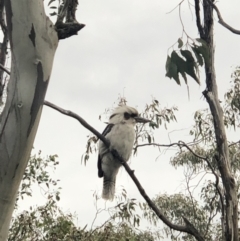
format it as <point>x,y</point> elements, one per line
<point>182,144</point>
<point>188,178</point>
<point>211,168</point>
<point>175,7</point>
<point>234,143</point>
<point>178,144</point>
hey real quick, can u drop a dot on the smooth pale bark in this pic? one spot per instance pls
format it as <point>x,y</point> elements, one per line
<point>33,41</point>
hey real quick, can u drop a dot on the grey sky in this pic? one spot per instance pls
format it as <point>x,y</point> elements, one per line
<point>122,50</point>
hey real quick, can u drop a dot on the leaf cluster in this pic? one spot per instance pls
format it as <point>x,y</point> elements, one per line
<point>159,117</point>
<point>185,62</point>
<point>186,158</point>
<point>49,223</point>
<point>232,102</point>
<point>175,207</point>
<point>38,171</point>
<point>203,129</point>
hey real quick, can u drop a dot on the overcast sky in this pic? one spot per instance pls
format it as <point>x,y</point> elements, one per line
<point>122,51</point>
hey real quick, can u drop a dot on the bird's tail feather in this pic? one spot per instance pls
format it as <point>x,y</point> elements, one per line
<point>108,189</point>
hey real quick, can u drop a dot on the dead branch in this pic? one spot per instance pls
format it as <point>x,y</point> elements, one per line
<point>71,26</point>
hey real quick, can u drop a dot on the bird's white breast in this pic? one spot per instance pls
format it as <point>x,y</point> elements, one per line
<point>122,138</point>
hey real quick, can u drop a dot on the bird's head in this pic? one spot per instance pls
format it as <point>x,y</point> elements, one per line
<point>126,114</point>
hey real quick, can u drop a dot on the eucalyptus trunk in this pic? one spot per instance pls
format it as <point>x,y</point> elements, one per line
<point>33,42</point>
<point>230,200</point>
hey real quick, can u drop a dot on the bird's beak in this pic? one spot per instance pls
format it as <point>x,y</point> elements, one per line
<point>141,120</point>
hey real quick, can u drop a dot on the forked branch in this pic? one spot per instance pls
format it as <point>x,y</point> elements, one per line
<point>220,19</point>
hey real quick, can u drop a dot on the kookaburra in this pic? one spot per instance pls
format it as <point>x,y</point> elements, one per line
<point>121,134</point>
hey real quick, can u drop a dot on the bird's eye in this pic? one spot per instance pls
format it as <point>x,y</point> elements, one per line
<point>134,115</point>
<point>126,116</point>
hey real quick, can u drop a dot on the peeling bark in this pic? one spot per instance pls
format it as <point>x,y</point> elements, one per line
<point>33,42</point>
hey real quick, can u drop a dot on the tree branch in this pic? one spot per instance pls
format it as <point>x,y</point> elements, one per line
<point>188,228</point>
<point>220,19</point>
<point>80,119</point>
<point>198,18</point>
<point>164,145</point>
<point>234,143</point>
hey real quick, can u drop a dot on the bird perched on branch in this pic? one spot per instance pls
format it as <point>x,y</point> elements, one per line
<point>121,134</point>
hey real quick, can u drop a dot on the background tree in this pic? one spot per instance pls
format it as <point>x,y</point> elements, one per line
<point>48,222</point>
<point>224,172</point>
<point>203,201</point>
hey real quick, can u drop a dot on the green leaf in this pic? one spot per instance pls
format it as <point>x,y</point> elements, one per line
<point>203,42</point>
<point>57,197</point>
<point>184,77</point>
<point>171,69</point>
<point>188,55</point>
<point>167,63</point>
<point>204,51</point>
<point>149,139</point>
<point>191,71</point>
<point>180,43</point>
<point>197,54</point>
<point>176,64</point>
<point>190,65</point>
<point>181,64</point>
